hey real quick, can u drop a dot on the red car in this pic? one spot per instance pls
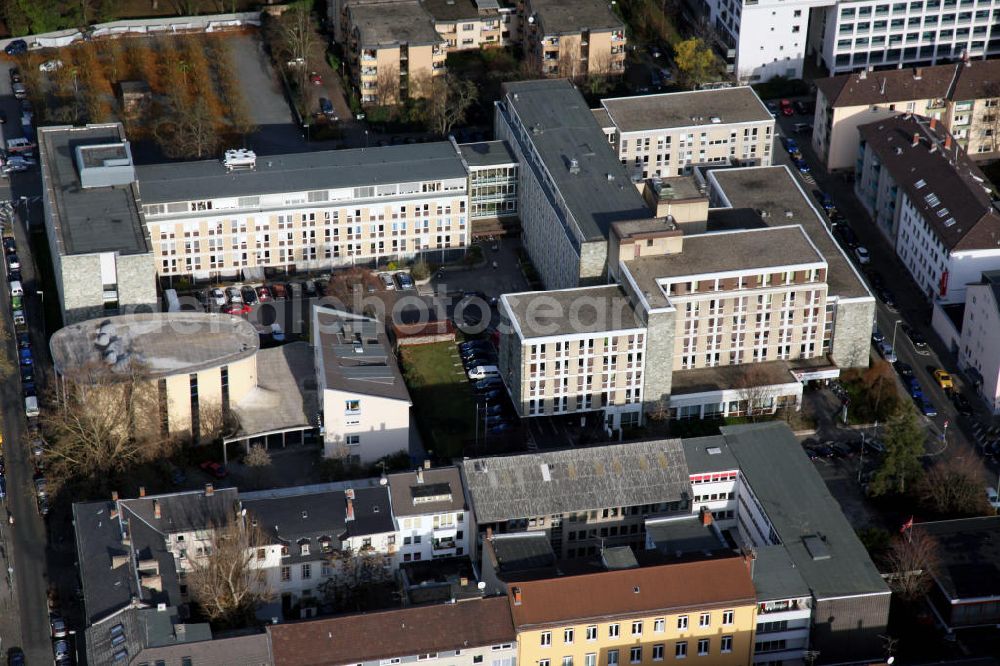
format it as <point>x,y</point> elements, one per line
<point>263,294</point>
<point>315,79</point>
<point>237,309</point>
<point>215,469</point>
<point>786,108</point>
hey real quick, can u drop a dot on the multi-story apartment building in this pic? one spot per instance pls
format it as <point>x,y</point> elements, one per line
<point>364,401</point>
<point>667,135</point>
<point>962,97</point>
<point>471,24</point>
<point>466,633</point>
<point>493,175</point>
<point>583,351</point>
<point>319,537</point>
<point>704,610</point>
<point>767,38</point>
<point>432,516</point>
<point>572,38</point>
<point>305,210</point>
<point>102,259</point>
<point>572,186</point>
<point>929,201</point>
<point>969,331</point>
<point>579,498</point>
<point>394,51</point>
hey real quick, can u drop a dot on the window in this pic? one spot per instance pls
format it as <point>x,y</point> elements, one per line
<point>546,638</point>
<point>567,661</point>
<point>727,617</point>
<point>590,659</point>
<point>635,655</point>
<point>286,573</point>
<point>613,631</point>
<point>352,406</point>
<point>592,632</point>
<point>425,657</point>
<point>680,649</point>
<point>637,628</point>
<point>388,662</point>
<point>659,625</point>
<point>567,635</point>
<point>478,659</point>
<point>658,653</point>
<point>702,647</point>
<point>682,622</point>
<point>612,657</point>
<point>541,662</point>
<point>705,620</point>
<point>306,571</point>
<point>727,644</point>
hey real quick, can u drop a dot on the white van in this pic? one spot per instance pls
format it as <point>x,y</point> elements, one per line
<point>31,406</point>
<point>170,299</point>
<point>15,289</point>
<point>484,371</point>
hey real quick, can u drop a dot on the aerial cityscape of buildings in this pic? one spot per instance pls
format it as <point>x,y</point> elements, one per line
<point>535,333</point>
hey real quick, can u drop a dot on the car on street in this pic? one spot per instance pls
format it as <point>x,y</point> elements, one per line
<point>249,295</point>
<point>24,340</point>
<point>325,106</point>
<point>233,295</point>
<point>237,309</point>
<point>61,649</point>
<point>20,91</point>
<point>801,165</point>
<point>847,235</point>
<point>9,245</point>
<point>944,380</point>
<point>58,626</point>
<point>904,369</point>
<point>217,296</point>
<point>16,47</point>
<point>404,280</point>
<point>263,294</point>
<point>877,336</point>
<point>916,338</point>
<point>214,469</point>
<point>14,275</point>
<point>786,108</point>
<point>15,657</point>
<point>913,387</point>
<point>276,333</point>
<point>43,505</point>
<point>50,66</point>
<point>790,144</point>
<point>387,282</point>
<point>278,292</point>
<point>16,302</point>
<point>962,404</point>
<point>26,357</point>
<point>772,107</point>
<point>310,288</point>
<point>888,298</point>
<point>887,352</point>
<point>824,200</point>
<point>13,261</point>
<point>15,75</point>
<point>927,409</point>
<point>862,255</point>
<point>315,79</point>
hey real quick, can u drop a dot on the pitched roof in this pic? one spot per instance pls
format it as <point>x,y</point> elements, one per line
<point>630,592</point>
<point>552,482</point>
<point>942,183</point>
<point>427,491</point>
<point>405,632</point>
<point>887,86</point>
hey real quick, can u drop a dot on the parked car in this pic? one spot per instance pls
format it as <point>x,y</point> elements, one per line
<point>236,309</point>
<point>25,357</point>
<point>404,280</point>
<point>791,146</point>
<point>215,469</point>
<point>887,352</point>
<point>962,405</point>
<point>24,340</point>
<point>877,336</point>
<point>61,649</point>
<point>904,369</point>
<point>847,235</point>
<point>13,261</point>
<point>483,371</point>
<point>15,75</point>
<point>913,387</point>
<point>862,255</point>
<point>249,295</point>
<point>325,106</point>
<point>278,292</point>
<point>387,282</point>
<point>772,107</point>
<point>263,294</point>
<point>294,290</point>
<point>944,380</point>
<point>501,428</point>
<point>58,626</point>
<point>487,384</point>
<point>16,47</point>
<point>9,245</point>
<point>888,298</point>
<point>217,296</point>
<point>801,165</point>
<point>14,275</point>
<point>19,90</point>
<point>50,66</point>
<point>824,200</point>
<point>315,79</point>
<point>233,295</point>
<point>43,507</point>
<point>786,108</point>
<point>927,409</point>
<point>15,657</point>
<point>918,340</point>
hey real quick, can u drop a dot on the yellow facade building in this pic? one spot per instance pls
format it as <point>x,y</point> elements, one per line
<point>699,611</point>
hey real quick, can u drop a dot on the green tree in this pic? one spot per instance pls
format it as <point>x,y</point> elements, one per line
<point>695,61</point>
<point>25,17</point>
<point>904,444</point>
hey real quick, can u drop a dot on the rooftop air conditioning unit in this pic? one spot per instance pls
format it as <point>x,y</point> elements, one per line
<point>240,158</point>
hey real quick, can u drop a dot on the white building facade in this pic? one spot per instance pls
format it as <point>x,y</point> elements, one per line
<point>432,518</point>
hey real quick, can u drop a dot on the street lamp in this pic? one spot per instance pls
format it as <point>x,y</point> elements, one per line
<point>894,329</point>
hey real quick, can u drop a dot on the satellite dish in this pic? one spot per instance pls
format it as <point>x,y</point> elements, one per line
<point>531,19</point>
<point>481,585</point>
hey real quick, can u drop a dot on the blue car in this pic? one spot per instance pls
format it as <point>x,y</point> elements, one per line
<point>801,165</point>
<point>790,144</point>
<point>16,47</point>
<point>503,426</point>
<point>26,358</point>
<point>927,409</point>
<point>915,391</point>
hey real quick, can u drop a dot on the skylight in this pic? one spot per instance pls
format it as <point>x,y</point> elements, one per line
<point>920,183</point>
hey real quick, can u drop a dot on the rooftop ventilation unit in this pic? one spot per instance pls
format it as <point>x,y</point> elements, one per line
<point>240,159</point>
<point>574,166</point>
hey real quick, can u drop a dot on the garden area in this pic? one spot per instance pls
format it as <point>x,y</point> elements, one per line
<point>186,95</point>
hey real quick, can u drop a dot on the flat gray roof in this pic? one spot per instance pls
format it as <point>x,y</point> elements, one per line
<point>389,24</point>
<point>684,535</point>
<point>356,355</point>
<point>285,397</point>
<point>446,11</point>
<point>775,576</point>
<point>487,153</point>
<point>162,343</point>
<point>775,192</point>
<point>807,519</point>
<point>87,221</point>
<point>561,17</point>
<point>721,377</point>
<point>708,454</point>
<point>562,128</point>
<point>299,172</point>
<point>969,553</point>
<point>581,479</point>
<point>686,109</point>
<point>425,490</point>
<point>540,314</point>
<point>719,252</point>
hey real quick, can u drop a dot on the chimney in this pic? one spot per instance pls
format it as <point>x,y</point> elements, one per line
<point>350,509</point>
<point>420,475</point>
<point>489,533</point>
<point>933,123</point>
<point>427,463</point>
<point>156,509</point>
<point>918,73</point>
<point>947,142</point>
<point>706,517</point>
<point>517,595</point>
<point>142,491</point>
<point>114,512</point>
<point>209,490</point>
<point>114,495</point>
<point>916,139</point>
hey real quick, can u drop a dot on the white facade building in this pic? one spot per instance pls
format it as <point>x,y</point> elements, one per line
<point>432,518</point>
<point>366,407</point>
<point>930,202</point>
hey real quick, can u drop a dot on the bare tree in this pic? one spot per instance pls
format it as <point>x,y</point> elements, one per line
<point>226,582</point>
<point>660,411</point>
<point>387,85</point>
<point>7,365</point>
<point>448,102</point>
<point>953,487</point>
<point>100,424</point>
<point>568,66</point>
<point>752,387</point>
<point>354,572</point>
<point>598,71</point>
<point>911,561</point>
<point>190,133</point>
<point>215,422</point>
<point>258,461</point>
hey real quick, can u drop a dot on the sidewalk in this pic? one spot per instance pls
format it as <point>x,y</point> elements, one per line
<point>10,615</point>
